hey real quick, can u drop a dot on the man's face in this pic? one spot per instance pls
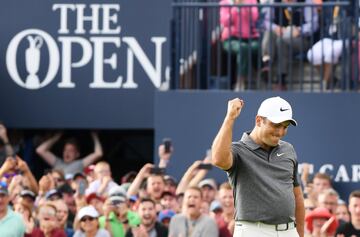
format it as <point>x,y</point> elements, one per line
<point>147,213</point>
<point>192,202</point>
<point>4,202</point>
<point>102,171</point>
<point>271,133</point>
<point>226,198</point>
<point>354,208</point>
<point>320,184</point>
<point>208,193</point>
<point>330,202</point>
<point>62,212</point>
<point>70,153</point>
<point>155,186</point>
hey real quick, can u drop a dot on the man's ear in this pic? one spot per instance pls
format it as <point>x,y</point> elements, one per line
<point>258,120</point>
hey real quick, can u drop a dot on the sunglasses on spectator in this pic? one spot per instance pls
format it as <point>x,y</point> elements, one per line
<point>88,218</point>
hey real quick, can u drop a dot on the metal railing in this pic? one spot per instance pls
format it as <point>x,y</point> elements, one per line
<point>204,56</point>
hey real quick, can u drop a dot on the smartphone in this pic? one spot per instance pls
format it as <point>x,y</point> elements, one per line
<point>205,166</point>
<point>167,144</point>
<point>157,170</point>
<point>81,187</point>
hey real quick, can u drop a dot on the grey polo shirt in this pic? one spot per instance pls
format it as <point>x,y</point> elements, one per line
<point>263,181</point>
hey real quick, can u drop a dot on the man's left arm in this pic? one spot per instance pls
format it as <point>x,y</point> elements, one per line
<point>299,210</point>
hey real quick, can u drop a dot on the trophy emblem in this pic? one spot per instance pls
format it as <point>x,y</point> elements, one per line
<point>32,61</point>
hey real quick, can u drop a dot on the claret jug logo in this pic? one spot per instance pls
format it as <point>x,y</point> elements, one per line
<point>103,34</point>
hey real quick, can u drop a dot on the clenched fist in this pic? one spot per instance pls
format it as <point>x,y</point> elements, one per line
<point>234,108</point>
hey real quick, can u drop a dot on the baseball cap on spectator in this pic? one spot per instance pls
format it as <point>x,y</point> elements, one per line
<point>89,169</point>
<point>165,214</point>
<point>92,196</point>
<point>167,193</point>
<point>28,193</point>
<point>3,188</point>
<point>117,199</point>
<point>52,194</point>
<point>170,180</point>
<point>277,110</point>
<point>117,191</point>
<point>66,188</point>
<point>320,212</point>
<point>87,211</point>
<point>79,174</point>
<point>69,176</point>
<point>133,198</point>
<point>215,206</point>
<point>208,182</point>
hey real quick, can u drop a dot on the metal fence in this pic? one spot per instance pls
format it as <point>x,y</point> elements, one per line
<point>267,46</point>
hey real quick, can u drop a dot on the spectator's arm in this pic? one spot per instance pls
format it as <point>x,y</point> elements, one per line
<point>200,174</point>
<point>8,166</point>
<point>299,211</point>
<point>311,18</point>
<point>98,151</point>
<point>186,179</point>
<point>143,174</point>
<point>26,172</point>
<point>9,151</point>
<point>164,156</point>
<point>44,149</point>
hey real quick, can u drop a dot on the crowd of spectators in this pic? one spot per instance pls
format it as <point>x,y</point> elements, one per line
<point>269,40</point>
<point>87,201</point>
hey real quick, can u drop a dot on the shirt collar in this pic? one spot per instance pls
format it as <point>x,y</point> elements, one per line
<point>249,141</point>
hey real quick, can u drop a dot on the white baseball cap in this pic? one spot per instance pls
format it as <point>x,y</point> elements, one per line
<point>87,211</point>
<point>277,110</point>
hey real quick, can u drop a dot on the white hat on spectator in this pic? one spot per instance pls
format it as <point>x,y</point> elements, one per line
<point>87,211</point>
<point>117,191</point>
<point>208,182</point>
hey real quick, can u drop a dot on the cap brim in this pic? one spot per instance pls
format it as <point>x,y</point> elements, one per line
<point>282,119</point>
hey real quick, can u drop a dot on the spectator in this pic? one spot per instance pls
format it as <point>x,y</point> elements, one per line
<point>168,201</point>
<point>351,228</point>
<point>325,53</point>
<point>170,184</point>
<point>155,183</point>
<point>309,205</point>
<point>117,217</point>
<point>48,223</point>
<point>103,182</point>
<point>89,224</point>
<point>6,147</point>
<point>26,212</point>
<point>149,225</point>
<point>342,212</point>
<point>192,222</point>
<point>11,223</point>
<point>328,199</point>
<point>96,201</point>
<point>209,190</point>
<point>226,198</point>
<point>240,36</point>
<point>290,30</point>
<point>58,177</point>
<point>70,163</point>
<point>165,216</point>
<point>62,215</point>
<point>321,223</point>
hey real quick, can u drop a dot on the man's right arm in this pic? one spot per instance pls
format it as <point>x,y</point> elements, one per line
<point>221,147</point>
<point>44,149</point>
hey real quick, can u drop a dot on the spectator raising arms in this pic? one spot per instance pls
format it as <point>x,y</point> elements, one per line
<point>70,163</point>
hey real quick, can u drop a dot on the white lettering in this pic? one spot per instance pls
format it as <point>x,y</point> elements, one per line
<point>63,16</point>
<point>154,73</point>
<point>342,175</point>
<point>107,19</point>
<point>93,18</point>
<point>355,173</point>
<point>67,58</point>
<point>99,61</point>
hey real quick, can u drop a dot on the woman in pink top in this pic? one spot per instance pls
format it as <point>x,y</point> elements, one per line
<point>240,35</point>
